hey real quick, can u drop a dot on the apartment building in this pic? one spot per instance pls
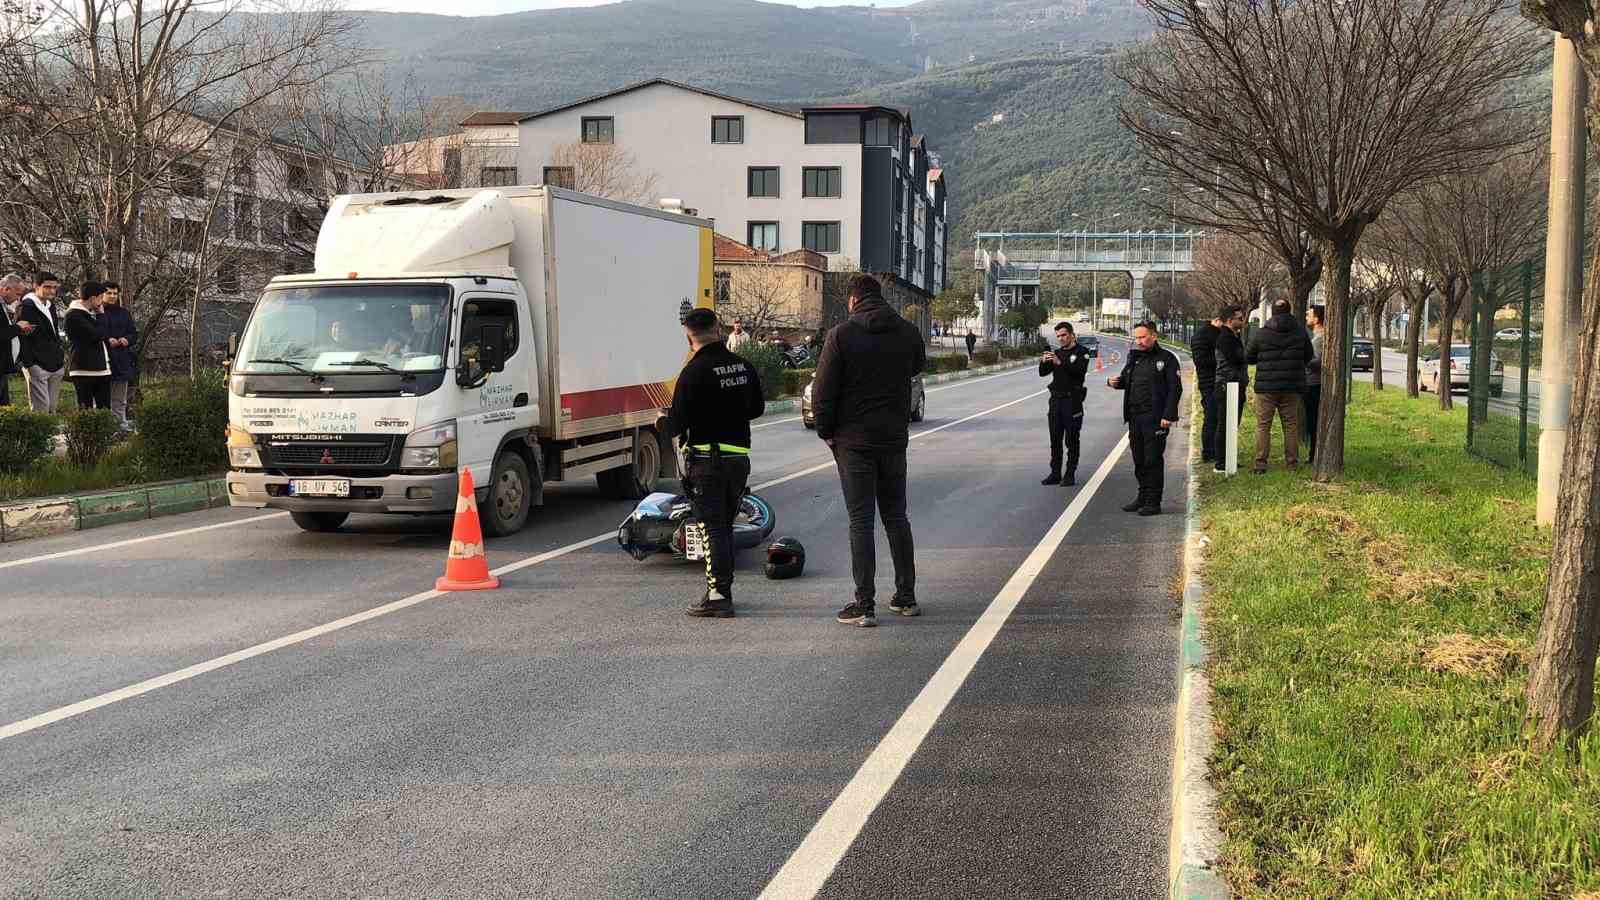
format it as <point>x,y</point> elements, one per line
<point>850,182</point>
<point>483,153</point>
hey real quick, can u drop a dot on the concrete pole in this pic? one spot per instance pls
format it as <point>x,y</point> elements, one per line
<point>1563,269</point>
<point>1230,446</point>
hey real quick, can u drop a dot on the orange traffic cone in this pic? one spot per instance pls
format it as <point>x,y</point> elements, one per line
<point>1099,364</point>
<point>466,569</point>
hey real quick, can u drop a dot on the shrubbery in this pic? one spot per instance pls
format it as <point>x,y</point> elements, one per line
<point>795,381</point>
<point>25,437</point>
<point>91,433</point>
<point>183,425</point>
<point>986,356</point>
<point>949,362</point>
<point>767,359</point>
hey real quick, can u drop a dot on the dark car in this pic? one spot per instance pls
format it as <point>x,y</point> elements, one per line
<point>1090,344</point>
<point>919,402</point>
<point>1361,356</point>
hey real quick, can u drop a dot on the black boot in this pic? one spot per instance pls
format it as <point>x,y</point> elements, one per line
<point>707,607</point>
<point>1052,478</point>
<point>1135,506</point>
<point>1070,479</point>
<point>1152,508</point>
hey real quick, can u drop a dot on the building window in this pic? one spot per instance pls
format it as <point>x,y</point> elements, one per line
<point>341,183</point>
<point>823,183</point>
<point>188,180</point>
<point>833,128</point>
<point>561,177</point>
<point>299,226</point>
<point>228,277</point>
<point>599,130</point>
<point>764,236</point>
<point>497,176</point>
<point>880,132</point>
<point>727,129</point>
<point>244,174</point>
<point>724,287</point>
<point>297,178</point>
<point>823,237</point>
<point>763,182</point>
<point>244,219</point>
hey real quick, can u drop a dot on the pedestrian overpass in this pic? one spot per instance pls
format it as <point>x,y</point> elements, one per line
<point>1013,262</point>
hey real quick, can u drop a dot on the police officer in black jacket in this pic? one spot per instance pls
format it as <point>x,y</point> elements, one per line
<point>1066,367</point>
<point>1204,350</point>
<point>717,395</point>
<point>1150,407</point>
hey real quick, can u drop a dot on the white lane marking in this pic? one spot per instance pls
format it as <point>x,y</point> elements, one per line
<point>98,548</point>
<point>818,855</point>
<point>949,387</point>
<point>161,681</point>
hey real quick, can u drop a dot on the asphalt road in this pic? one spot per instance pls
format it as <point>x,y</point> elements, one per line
<point>574,734</point>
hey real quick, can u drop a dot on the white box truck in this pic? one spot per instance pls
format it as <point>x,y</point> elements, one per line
<point>529,334</point>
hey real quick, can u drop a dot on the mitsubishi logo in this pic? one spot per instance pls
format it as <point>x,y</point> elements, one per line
<point>327,457</point>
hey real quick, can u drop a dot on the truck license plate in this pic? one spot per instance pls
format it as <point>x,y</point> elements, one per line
<point>322,487</point>
<point>694,541</point>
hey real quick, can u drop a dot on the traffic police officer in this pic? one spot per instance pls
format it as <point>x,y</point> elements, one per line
<point>1066,367</point>
<point>716,396</point>
<point>1151,389</point>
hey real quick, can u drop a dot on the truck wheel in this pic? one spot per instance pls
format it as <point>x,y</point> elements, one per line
<point>510,495</point>
<point>319,521</point>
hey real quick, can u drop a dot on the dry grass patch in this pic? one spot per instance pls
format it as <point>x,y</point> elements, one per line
<point>1464,654</point>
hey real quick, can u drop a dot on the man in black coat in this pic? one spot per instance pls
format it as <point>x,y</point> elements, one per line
<point>123,334</point>
<point>972,343</point>
<point>1231,369</point>
<point>43,359</point>
<point>862,401</point>
<point>1204,350</point>
<point>1066,367</point>
<point>11,289</point>
<point>1279,351</point>
<point>1152,389</point>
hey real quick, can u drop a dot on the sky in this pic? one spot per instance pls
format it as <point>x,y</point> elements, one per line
<point>495,7</point>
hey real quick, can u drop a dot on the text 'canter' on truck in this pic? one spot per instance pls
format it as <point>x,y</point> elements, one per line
<point>529,334</point>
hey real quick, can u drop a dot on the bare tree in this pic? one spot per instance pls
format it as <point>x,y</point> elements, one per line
<point>1229,269</point>
<point>765,296</point>
<point>1372,284</point>
<point>1562,672</point>
<point>1326,110</point>
<point>606,170</point>
<point>1414,281</point>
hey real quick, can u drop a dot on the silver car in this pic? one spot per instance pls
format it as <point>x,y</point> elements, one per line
<point>1460,369</point>
<point>919,402</point>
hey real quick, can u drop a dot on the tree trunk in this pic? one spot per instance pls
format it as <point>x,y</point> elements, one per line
<point>1338,257</point>
<point>1303,278</point>
<point>1561,674</point>
<point>1377,349</point>
<point>1443,382</point>
<point>1413,346</point>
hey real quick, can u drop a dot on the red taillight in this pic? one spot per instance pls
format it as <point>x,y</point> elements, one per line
<point>1452,365</point>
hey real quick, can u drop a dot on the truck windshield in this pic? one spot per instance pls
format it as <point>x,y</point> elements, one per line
<point>347,328</point>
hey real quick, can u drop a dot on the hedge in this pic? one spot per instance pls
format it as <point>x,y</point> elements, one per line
<point>795,381</point>
<point>987,356</point>
<point>91,433</point>
<point>950,362</point>
<point>183,426</point>
<point>25,437</point>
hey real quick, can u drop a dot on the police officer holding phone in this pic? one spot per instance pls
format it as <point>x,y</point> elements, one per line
<point>1066,367</point>
<point>716,396</point>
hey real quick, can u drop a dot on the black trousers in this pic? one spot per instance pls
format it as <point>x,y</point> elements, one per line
<point>1148,442</point>
<point>1313,397</point>
<point>1066,426</point>
<point>869,479</point>
<point>94,391</point>
<point>1211,429</point>
<point>715,489</point>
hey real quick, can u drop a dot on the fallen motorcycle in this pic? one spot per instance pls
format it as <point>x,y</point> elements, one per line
<point>665,523</point>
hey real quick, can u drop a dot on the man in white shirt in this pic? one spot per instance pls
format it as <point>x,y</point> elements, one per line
<point>738,337</point>
<point>43,359</point>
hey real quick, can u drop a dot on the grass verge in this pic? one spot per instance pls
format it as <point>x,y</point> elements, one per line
<point>1369,654</point>
<point>55,477</point>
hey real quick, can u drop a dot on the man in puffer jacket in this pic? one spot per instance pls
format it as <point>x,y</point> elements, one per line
<point>1279,351</point>
<point>89,362</point>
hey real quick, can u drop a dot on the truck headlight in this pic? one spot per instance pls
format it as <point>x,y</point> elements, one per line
<point>806,394</point>
<point>433,447</point>
<point>242,449</point>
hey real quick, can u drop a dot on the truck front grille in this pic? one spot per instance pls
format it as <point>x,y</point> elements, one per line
<point>329,454</point>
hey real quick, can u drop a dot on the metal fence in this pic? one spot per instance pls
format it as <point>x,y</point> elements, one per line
<point>1502,366</point>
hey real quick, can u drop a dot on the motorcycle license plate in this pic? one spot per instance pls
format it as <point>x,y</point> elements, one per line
<point>694,542</point>
<point>320,487</point>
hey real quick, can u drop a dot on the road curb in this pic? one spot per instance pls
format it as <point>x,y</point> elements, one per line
<point>793,404</point>
<point>59,515</point>
<point>1196,840</point>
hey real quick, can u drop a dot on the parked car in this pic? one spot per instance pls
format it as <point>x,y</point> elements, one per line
<point>1091,344</point>
<point>1461,370</point>
<point>1514,334</point>
<point>919,402</point>
<point>1361,355</point>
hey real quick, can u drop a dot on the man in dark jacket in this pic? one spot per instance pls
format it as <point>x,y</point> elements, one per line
<point>1152,389</point>
<point>122,334</point>
<point>1065,366</point>
<point>11,290</point>
<point>1231,369</point>
<point>1279,351</point>
<point>862,401</point>
<point>1204,350</point>
<point>972,343</point>
<point>43,359</point>
<point>716,396</point>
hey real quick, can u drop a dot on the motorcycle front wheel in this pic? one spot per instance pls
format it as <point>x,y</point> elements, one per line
<point>754,523</point>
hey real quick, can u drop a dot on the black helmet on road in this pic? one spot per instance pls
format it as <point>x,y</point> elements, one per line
<point>785,558</point>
